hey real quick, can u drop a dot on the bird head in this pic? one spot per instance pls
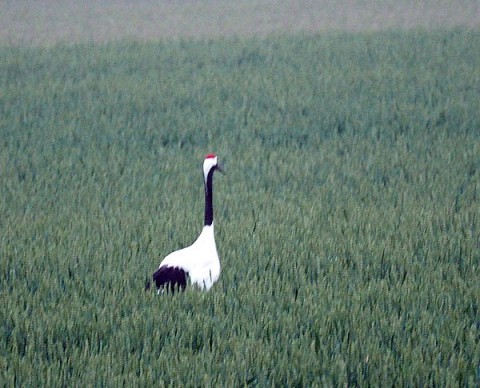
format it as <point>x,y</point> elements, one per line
<point>210,163</point>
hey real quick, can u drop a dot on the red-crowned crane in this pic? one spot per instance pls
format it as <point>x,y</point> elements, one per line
<point>198,262</point>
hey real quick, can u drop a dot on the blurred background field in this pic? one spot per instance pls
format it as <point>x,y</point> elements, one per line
<point>347,222</point>
<point>46,22</point>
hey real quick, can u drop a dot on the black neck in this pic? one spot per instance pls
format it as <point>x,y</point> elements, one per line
<point>209,198</point>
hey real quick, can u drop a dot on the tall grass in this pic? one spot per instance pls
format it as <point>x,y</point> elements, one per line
<point>347,223</point>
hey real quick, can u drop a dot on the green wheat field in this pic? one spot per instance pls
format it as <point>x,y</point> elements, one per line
<point>348,220</point>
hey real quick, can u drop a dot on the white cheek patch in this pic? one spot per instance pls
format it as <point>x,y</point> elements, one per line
<point>207,166</point>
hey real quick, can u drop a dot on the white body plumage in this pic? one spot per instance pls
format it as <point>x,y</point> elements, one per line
<point>200,260</point>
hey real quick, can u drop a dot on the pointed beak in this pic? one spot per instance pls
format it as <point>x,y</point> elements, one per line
<point>220,169</point>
